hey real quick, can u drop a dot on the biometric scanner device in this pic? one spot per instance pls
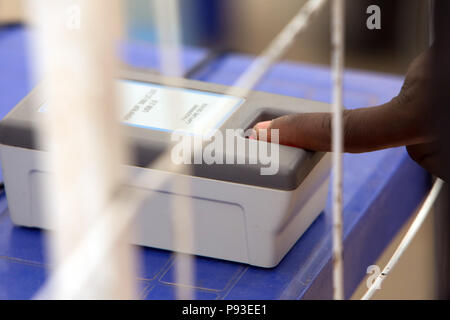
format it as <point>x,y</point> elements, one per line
<point>238,214</point>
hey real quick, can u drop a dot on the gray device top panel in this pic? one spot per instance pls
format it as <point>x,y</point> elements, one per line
<point>19,128</point>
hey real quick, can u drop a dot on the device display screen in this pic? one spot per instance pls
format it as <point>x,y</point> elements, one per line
<point>164,108</point>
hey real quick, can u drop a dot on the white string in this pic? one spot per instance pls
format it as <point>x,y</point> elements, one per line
<point>407,239</point>
<point>81,123</point>
<point>338,21</point>
<point>169,40</point>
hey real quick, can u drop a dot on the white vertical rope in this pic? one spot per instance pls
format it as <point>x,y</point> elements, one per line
<point>169,38</point>
<point>338,23</point>
<point>79,65</point>
<point>168,27</point>
<point>407,239</point>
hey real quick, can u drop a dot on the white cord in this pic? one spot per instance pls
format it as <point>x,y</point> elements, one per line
<point>75,57</point>
<point>338,22</point>
<point>170,47</point>
<point>406,241</point>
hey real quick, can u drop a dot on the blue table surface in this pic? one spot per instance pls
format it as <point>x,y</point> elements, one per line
<point>381,191</point>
